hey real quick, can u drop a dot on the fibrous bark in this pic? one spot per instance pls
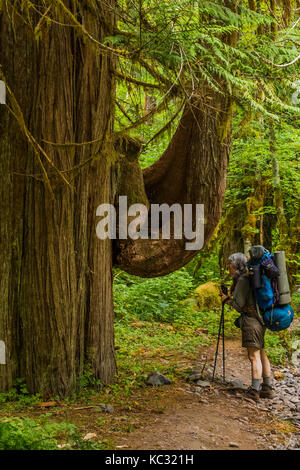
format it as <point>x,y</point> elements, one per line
<point>191,171</point>
<point>56,283</point>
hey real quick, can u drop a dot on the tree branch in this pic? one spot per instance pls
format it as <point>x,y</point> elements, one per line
<point>277,65</point>
<point>135,81</point>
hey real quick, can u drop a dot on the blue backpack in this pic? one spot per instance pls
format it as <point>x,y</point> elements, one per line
<point>278,317</point>
<point>264,274</point>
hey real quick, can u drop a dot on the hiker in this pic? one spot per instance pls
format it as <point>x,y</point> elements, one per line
<point>253,330</point>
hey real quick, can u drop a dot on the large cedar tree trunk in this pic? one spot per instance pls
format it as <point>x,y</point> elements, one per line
<point>56,283</point>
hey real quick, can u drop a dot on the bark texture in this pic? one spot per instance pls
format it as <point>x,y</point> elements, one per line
<point>56,283</point>
<point>191,171</point>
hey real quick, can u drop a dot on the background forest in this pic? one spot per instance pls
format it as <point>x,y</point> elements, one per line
<point>263,180</point>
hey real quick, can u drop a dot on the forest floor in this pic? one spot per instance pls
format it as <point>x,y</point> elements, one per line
<point>210,418</point>
<point>177,416</point>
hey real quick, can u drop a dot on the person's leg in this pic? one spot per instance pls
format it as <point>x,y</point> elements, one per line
<point>266,367</point>
<point>266,389</point>
<point>256,364</point>
<point>252,339</point>
<point>256,372</point>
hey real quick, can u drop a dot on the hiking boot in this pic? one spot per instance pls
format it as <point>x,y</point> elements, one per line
<point>266,391</point>
<point>252,393</point>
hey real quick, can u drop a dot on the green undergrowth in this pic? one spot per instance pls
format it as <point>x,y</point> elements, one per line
<point>159,326</point>
<point>155,316</point>
<point>277,346</point>
<point>19,396</point>
<point>146,346</point>
<point>43,434</point>
<point>153,299</point>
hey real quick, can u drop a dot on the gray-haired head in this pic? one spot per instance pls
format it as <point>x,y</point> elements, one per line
<point>239,262</point>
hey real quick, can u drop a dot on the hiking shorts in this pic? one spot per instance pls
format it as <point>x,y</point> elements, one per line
<point>253,332</point>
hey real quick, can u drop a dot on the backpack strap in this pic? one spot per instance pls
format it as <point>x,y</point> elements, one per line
<point>259,315</point>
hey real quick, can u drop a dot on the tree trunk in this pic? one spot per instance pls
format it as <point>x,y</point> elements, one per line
<point>56,283</point>
<point>282,225</point>
<point>191,171</point>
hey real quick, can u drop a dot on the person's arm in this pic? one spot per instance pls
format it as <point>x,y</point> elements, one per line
<point>240,295</point>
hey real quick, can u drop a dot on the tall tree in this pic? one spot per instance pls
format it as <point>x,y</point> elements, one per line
<point>56,283</point>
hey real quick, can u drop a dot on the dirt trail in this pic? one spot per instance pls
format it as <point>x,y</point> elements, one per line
<point>181,416</point>
<point>210,418</point>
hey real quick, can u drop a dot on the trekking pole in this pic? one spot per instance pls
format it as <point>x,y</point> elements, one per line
<point>221,328</point>
<point>219,334</point>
